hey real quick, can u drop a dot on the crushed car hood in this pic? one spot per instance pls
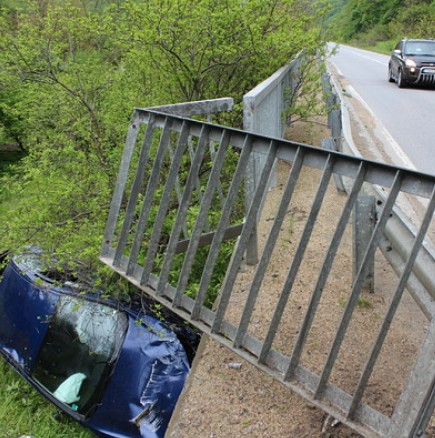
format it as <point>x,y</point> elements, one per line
<point>161,373</point>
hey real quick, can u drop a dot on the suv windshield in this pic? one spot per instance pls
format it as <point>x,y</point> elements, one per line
<point>420,48</point>
<point>82,341</point>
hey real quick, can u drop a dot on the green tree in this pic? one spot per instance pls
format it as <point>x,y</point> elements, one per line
<point>71,77</point>
<point>380,20</point>
<point>415,21</point>
<point>358,16</point>
<point>206,49</point>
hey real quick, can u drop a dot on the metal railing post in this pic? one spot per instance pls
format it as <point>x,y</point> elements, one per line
<point>363,226</point>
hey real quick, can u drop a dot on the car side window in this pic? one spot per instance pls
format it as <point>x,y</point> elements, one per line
<point>82,341</point>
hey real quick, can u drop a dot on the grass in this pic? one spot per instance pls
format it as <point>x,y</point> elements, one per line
<point>364,303</point>
<point>23,411</point>
<point>384,47</point>
<point>361,303</point>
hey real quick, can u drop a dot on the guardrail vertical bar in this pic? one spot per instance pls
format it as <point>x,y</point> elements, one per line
<point>152,185</point>
<point>180,220</point>
<point>164,202</point>
<point>244,238</point>
<point>177,185</point>
<point>426,415</point>
<point>392,309</point>
<point>134,192</point>
<point>330,144</point>
<point>326,268</point>
<point>200,223</point>
<point>270,244</point>
<point>356,289</point>
<point>121,181</point>
<point>223,223</point>
<point>297,259</point>
<point>192,153</point>
<point>252,247</point>
<point>219,189</point>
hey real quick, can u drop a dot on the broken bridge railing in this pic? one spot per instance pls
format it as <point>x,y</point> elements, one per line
<point>178,230</point>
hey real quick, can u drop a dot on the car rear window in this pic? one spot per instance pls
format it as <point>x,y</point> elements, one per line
<point>82,342</point>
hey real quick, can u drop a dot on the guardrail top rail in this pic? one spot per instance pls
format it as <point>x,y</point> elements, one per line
<point>178,230</point>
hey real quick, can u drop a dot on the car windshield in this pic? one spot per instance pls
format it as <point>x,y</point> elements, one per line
<point>82,341</point>
<point>420,48</point>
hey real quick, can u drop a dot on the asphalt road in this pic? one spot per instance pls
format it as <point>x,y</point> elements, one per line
<point>407,114</point>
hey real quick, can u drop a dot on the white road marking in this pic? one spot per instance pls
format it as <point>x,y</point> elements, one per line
<point>364,56</point>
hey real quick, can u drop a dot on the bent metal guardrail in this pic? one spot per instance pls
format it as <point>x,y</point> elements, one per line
<point>177,231</point>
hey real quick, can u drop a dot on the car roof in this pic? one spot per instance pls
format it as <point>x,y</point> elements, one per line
<point>418,39</point>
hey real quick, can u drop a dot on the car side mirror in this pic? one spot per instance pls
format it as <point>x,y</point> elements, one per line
<point>398,52</point>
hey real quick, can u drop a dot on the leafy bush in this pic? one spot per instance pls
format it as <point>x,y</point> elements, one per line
<point>71,77</point>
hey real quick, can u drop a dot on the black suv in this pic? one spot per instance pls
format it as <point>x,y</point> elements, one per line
<point>412,62</point>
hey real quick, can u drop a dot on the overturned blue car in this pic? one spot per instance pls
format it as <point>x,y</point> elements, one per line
<point>118,371</point>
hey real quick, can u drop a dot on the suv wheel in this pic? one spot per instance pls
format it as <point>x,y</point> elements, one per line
<point>390,74</point>
<point>400,81</point>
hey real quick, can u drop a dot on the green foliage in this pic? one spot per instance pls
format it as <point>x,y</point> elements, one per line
<point>304,93</point>
<point>70,78</point>
<point>358,16</point>
<point>415,21</point>
<point>208,49</point>
<point>367,23</point>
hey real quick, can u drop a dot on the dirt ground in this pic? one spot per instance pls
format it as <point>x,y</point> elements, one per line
<point>228,397</point>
